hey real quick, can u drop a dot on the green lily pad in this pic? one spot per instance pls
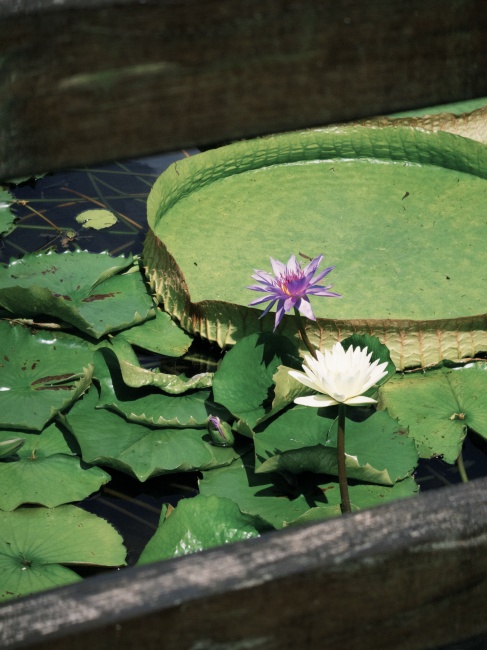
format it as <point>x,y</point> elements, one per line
<point>142,451</point>
<point>301,440</point>
<point>438,406</point>
<point>35,542</point>
<point>7,217</point>
<point>96,219</point>
<point>374,201</point>
<point>40,375</point>
<point>362,496</point>
<point>46,471</point>
<point>244,381</point>
<point>78,287</point>
<point>136,377</point>
<point>264,495</point>
<point>199,523</point>
<point>160,335</point>
<point>147,405</point>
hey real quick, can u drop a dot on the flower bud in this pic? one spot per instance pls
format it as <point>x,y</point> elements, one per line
<point>220,432</point>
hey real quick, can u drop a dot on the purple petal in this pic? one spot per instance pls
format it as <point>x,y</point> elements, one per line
<point>321,275</point>
<point>259,301</point>
<point>278,267</point>
<point>292,267</point>
<point>279,314</point>
<point>305,308</point>
<point>290,302</point>
<point>312,266</point>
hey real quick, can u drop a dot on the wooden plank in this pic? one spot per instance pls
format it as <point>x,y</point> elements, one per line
<point>84,81</point>
<point>406,575</point>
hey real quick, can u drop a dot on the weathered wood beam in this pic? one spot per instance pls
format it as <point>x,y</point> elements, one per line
<point>407,575</point>
<point>83,81</point>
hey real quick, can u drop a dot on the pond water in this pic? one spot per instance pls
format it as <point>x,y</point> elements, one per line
<point>46,211</point>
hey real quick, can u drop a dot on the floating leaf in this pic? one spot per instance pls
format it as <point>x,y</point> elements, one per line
<point>35,542</point>
<point>301,440</point>
<point>147,405</point>
<point>374,201</point>
<point>438,406</point>
<point>46,472</point>
<point>362,495</point>
<point>137,377</point>
<point>160,335</point>
<point>96,219</point>
<point>40,375</point>
<point>264,495</point>
<point>78,287</point>
<point>244,381</point>
<point>199,523</point>
<point>142,451</point>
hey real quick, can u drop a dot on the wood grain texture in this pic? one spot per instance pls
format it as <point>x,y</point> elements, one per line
<point>84,81</point>
<point>407,575</point>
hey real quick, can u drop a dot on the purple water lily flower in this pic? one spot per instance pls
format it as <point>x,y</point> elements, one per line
<point>291,287</point>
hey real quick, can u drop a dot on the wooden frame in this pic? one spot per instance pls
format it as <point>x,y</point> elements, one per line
<point>407,575</point>
<point>90,80</point>
<point>83,81</point>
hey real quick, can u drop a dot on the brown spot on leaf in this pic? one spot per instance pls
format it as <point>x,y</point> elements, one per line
<point>59,295</point>
<point>100,296</point>
<point>51,382</point>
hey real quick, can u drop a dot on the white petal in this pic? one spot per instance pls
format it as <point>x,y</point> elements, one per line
<point>360,400</point>
<point>303,379</point>
<point>318,401</point>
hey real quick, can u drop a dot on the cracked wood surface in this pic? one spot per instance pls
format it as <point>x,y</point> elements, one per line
<point>85,81</point>
<point>406,575</point>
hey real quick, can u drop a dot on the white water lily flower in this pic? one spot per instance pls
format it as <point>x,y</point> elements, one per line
<point>342,377</point>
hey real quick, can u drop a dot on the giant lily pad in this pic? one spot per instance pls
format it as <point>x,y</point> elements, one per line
<point>387,207</point>
<point>438,406</point>
<point>46,471</point>
<point>78,287</point>
<point>40,375</point>
<point>35,542</point>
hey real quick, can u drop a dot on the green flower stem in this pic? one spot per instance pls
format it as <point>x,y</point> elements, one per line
<point>304,336</point>
<point>342,471</point>
<point>461,468</point>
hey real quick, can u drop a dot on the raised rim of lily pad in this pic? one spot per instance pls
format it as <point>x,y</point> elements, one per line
<point>411,342</point>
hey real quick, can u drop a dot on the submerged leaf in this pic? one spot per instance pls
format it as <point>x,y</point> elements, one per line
<point>199,523</point>
<point>35,542</point>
